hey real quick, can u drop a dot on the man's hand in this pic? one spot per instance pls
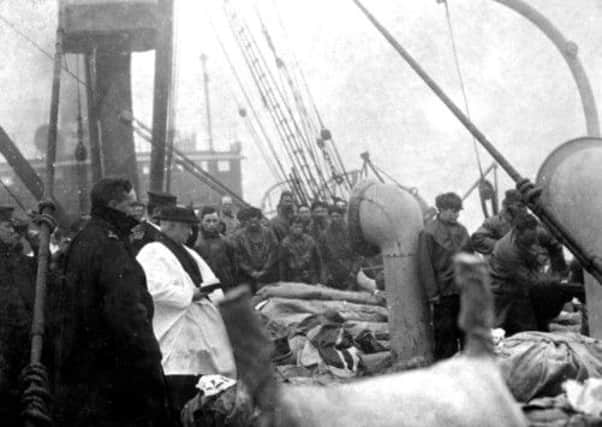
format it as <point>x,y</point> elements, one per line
<point>199,294</point>
<point>435,300</point>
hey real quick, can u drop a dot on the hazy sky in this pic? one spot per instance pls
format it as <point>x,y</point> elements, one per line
<point>520,91</point>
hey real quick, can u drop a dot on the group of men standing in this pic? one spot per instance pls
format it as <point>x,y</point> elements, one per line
<point>132,322</point>
<point>526,265</point>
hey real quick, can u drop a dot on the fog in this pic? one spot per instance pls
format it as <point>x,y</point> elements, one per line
<point>520,90</point>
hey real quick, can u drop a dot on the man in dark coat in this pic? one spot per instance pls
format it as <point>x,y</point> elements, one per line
<point>319,220</point>
<point>256,251</point>
<point>286,210</point>
<point>17,290</point>
<point>304,213</point>
<point>107,361</point>
<point>441,239</point>
<point>341,264</point>
<point>299,257</point>
<point>497,226</point>
<point>515,274</point>
<point>148,230</point>
<point>215,249</point>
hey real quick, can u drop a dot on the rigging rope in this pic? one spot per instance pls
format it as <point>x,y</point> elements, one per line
<point>247,98</point>
<point>328,147</point>
<point>461,81</point>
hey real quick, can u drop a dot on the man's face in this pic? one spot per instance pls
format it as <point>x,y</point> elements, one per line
<point>210,222</point>
<point>227,208</point>
<point>297,229</point>
<point>342,204</point>
<point>138,212</point>
<point>254,223</point>
<point>320,213</point>
<point>449,215</point>
<point>305,214</point>
<point>126,204</point>
<point>287,204</point>
<point>8,235</point>
<point>336,219</point>
<point>177,231</point>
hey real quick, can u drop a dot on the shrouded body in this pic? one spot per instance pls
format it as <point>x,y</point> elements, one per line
<point>390,218</point>
<point>571,179</point>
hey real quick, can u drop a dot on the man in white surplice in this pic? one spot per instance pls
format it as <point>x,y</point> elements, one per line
<point>189,328</point>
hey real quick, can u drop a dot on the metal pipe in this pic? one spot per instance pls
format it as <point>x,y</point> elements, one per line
<point>390,218</point>
<point>47,224</point>
<point>568,50</point>
<point>163,58</point>
<point>589,262</point>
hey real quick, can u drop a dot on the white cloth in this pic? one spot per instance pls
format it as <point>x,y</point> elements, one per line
<point>191,334</point>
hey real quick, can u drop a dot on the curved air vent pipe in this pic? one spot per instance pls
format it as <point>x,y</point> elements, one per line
<point>384,218</point>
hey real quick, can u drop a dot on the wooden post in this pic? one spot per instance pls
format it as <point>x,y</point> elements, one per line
<point>95,157</point>
<point>163,58</point>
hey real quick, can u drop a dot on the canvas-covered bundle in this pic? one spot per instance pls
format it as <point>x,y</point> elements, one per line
<point>323,335</point>
<point>535,364</point>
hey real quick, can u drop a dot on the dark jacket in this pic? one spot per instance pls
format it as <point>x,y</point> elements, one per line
<point>256,253</point>
<point>340,262</point>
<point>493,229</point>
<point>17,284</point>
<point>497,226</point>
<point>107,360</point>
<point>515,270</point>
<point>437,245</point>
<point>218,252</point>
<point>300,260</point>
<point>280,225</point>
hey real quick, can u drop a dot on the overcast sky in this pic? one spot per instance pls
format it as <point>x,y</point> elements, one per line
<point>520,91</point>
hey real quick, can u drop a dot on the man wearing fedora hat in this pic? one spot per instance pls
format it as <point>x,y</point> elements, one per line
<point>17,282</point>
<point>189,328</point>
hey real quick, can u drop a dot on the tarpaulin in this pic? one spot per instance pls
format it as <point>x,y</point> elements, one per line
<point>535,364</point>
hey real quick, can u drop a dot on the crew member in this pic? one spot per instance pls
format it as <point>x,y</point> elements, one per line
<point>299,257</point>
<point>304,213</point>
<point>286,210</point>
<point>441,239</point>
<point>107,361</point>
<point>256,251</point>
<point>516,274</point>
<point>215,249</point>
<point>319,220</point>
<point>341,263</point>
<point>189,327</point>
<point>228,217</point>
<point>497,226</point>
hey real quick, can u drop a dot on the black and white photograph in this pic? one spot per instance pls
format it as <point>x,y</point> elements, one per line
<point>278,213</point>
